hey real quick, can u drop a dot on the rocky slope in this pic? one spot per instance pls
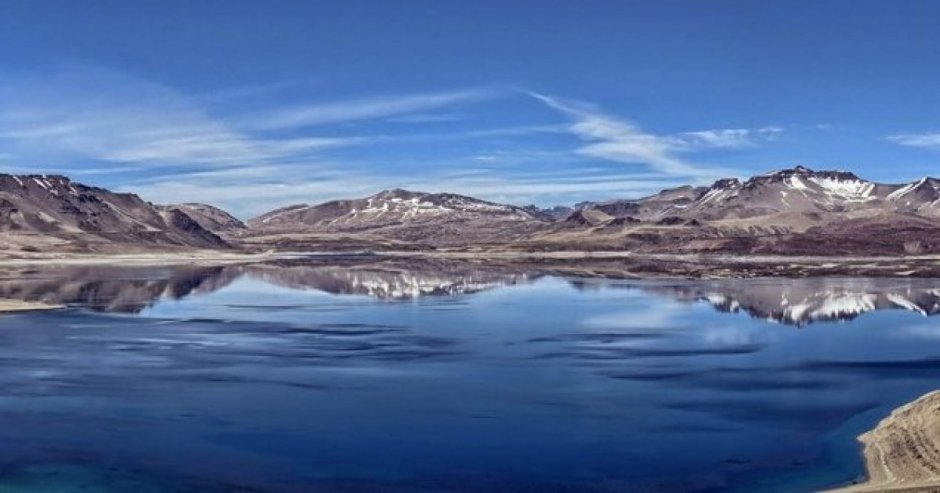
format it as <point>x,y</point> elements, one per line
<point>791,211</point>
<point>429,219</point>
<point>903,452</point>
<point>52,213</point>
<point>787,192</point>
<point>209,217</point>
<point>794,211</point>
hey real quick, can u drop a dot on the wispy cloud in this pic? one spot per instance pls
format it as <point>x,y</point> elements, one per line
<point>724,138</point>
<point>139,136</point>
<point>107,116</point>
<point>924,140</point>
<point>619,140</point>
<point>365,109</point>
<point>427,118</point>
<point>249,191</point>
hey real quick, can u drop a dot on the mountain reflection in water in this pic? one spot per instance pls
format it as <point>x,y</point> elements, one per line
<point>789,301</point>
<point>392,375</point>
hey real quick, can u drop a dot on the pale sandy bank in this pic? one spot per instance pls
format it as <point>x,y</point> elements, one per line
<point>23,306</point>
<point>197,257</point>
<point>903,452</point>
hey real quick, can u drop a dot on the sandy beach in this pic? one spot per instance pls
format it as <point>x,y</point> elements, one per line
<point>196,257</point>
<point>902,453</point>
<point>7,306</point>
<point>613,264</point>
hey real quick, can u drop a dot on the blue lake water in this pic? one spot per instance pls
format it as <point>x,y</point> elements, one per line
<point>371,378</point>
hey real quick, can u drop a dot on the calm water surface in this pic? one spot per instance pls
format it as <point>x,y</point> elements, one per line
<point>372,378</point>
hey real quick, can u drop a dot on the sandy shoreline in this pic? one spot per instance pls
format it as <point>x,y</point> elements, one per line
<point>902,453</point>
<point>156,258</point>
<point>609,264</point>
<point>235,257</point>
<point>9,306</point>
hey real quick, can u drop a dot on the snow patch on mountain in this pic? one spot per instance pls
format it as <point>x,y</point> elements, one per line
<point>845,189</point>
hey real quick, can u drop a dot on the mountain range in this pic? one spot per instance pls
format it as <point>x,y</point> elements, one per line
<point>51,213</point>
<point>791,211</point>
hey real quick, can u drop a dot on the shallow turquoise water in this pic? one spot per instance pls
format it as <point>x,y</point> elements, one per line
<point>324,378</point>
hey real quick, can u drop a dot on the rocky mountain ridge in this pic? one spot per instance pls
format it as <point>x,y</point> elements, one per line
<point>796,211</point>
<point>796,190</point>
<point>53,213</point>
<point>430,218</point>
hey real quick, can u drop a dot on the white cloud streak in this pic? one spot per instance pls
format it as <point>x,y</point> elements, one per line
<point>113,123</point>
<point>923,140</point>
<point>622,141</point>
<point>618,140</point>
<point>246,192</point>
<point>364,109</point>
<point>107,116</point>
<point>724,138</point>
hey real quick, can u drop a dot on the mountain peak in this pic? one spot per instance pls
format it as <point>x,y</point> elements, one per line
<point>398,193</point>
<point>800,171</point>
<point>725,183</point>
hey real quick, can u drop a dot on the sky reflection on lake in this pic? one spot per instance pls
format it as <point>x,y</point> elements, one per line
<point>379,378</point>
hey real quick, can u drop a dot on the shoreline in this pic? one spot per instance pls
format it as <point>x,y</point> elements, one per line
<point>608,264</point>
<point>16,306</point>
<point>902,452</point>
<point>222,256</point>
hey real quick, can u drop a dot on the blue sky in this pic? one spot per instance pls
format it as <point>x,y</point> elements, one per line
<point>255,105</point>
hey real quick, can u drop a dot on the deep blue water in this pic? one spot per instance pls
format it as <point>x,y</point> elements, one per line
<point>329,379</point>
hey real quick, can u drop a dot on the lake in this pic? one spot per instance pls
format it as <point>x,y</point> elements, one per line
<point>372,376</point>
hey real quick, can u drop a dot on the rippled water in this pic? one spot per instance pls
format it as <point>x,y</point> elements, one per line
<point>378,377</point>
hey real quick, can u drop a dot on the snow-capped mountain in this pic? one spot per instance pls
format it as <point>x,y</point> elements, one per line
<point>792,190</point>
<point>389,207</point>
<point>51,212</point>
<point>403,214</point>
<point>921,197</point>
<point>791,211</point>
<point>796,190</point>
<point>796,210</point>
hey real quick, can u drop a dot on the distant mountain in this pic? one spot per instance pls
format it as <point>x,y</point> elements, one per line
<point>921,197</point>
<point>53,213</point>
<point>654,207</point>
<point>209,217</point>
<point>796,211</point>
<point>796,190</point>
<point>433,218</point>
<point>550,213</point>
<point>791,211</point>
